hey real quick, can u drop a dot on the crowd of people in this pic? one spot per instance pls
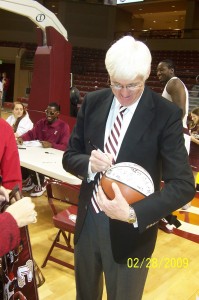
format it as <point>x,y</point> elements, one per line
<point>153,133</point>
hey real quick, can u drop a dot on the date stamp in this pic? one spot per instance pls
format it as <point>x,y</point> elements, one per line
<point>157,263</point>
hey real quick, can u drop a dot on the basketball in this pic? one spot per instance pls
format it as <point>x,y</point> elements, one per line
<point>134,181</point>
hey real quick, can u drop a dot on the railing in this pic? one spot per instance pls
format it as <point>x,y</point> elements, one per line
<point>160,34</point>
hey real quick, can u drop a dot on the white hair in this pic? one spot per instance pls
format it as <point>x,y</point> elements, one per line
<point>127,58</point>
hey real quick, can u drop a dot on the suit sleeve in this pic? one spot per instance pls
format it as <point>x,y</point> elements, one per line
<point>178,180</point>
<point>75,158</point>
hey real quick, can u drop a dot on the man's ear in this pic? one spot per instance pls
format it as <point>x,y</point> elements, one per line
<point>172,70</point>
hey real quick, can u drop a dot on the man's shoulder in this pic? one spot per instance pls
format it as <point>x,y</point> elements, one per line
<point>4,124</point>
<point>163,104</point>
<point>174,82</point>
<point>60,123</point>
<point>6,128</point>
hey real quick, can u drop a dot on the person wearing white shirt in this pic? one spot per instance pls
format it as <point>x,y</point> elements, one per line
<point>19,119</point>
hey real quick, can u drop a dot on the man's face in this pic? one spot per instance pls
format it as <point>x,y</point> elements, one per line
<point>51,114</point>
<point>194,118</point>
<point>164,73</point>
<point>127,92</point>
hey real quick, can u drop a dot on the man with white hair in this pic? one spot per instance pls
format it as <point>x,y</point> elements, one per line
<point>109,234</point>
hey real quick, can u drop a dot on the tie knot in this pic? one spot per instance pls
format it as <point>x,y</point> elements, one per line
<point>122,109</point>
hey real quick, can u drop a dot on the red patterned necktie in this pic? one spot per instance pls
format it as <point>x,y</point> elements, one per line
<point>111,147</point>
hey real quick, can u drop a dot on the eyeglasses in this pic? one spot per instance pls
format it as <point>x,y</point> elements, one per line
<point>49,112</point>
<point>130,87</point>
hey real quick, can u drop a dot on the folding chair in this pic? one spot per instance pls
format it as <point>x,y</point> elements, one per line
<point>63,219</point>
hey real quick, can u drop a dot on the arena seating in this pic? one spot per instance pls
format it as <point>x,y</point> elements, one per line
<point>89,72</point>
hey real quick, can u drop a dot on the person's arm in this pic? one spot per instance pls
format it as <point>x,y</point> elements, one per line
<point>75,159</point>
<point>10,234</point>
<point>194,140</point>
<point>19,214</point>
<point>62,142</point>
<point>176,90</point>
<point>10,164</point>
<point>34,133</point>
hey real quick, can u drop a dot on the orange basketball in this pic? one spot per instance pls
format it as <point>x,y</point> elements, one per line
<point>135,182</point>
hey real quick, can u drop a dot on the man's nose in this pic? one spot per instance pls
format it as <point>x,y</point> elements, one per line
<point>125,91</point>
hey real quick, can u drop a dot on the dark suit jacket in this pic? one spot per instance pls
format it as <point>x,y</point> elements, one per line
<point>154,140</point>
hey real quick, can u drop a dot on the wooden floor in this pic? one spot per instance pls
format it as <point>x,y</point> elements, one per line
<point>173,280</point>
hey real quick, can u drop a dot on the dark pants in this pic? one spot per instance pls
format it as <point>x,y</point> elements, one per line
<point>37,178</point>
<point>93,257</point>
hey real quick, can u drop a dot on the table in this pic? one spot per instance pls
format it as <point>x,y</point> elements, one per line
<point>47,161</point>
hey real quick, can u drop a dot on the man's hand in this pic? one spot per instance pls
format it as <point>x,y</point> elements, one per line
<point>46,144</point>
<point>117,208</point>
<point>19,141</point>
<point>4,196</point>
<point>100,161</point>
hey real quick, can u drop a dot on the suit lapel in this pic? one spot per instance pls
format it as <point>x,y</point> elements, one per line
<point>140,121</point>
<point>103,113</point>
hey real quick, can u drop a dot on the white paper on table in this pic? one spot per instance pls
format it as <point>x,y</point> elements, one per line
<point>35,143</point>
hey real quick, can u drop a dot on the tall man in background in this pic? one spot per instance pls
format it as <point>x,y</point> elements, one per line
<point>176,92</point>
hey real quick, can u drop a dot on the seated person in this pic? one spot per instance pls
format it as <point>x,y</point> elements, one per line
<point>52,133</point>
<point>19,119</point>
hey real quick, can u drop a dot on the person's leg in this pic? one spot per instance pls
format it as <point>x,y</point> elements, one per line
<point>37,178</point>
<point>40,185</point>
<point>88,266</point>
<point>27,184</point>
<point>25,173</point>
<point>123,281</point>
